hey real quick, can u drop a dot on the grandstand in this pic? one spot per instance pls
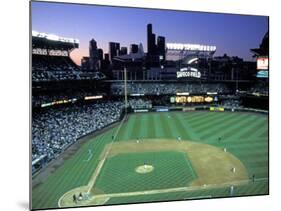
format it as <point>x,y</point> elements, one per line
<point>55,129</point>
<point>164,88</point>
<point>51,60</point>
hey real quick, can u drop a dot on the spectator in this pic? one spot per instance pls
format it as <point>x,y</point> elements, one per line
<point>54,129</point>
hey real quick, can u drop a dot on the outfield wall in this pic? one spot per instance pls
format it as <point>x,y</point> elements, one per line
<point>198,108</point>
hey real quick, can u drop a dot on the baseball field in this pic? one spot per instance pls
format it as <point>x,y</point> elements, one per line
<point>163,156</point>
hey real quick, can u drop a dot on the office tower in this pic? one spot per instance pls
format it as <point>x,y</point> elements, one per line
<point>150,40</point>
<point>114,49</point>
<point>94,56</point>
<point>123,51</point>
<point>85,63</point>
<point>100,54</point>
<point>161,47</point>
<point>106,57</point>
<point>105,62</point>
<point>133,48</point>
<point>140,49</point>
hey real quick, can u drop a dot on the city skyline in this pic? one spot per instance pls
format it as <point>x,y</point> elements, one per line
<point>232,34</point>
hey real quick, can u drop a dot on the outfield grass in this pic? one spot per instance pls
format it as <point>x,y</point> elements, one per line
<point>245,135</point>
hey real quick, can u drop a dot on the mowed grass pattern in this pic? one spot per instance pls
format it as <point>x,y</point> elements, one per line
<point>243,134</point>
<point>171,170</point>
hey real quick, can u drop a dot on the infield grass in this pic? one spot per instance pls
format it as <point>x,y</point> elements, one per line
<point>171,169</point>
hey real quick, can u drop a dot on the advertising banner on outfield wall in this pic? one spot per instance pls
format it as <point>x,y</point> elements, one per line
<point>191,99</point>
<point>189,109</point>
<point>140,110</point>
<point>216,109</point>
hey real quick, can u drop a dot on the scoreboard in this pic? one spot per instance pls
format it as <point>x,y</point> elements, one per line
<point>191,99</point>
<point>262,63</point>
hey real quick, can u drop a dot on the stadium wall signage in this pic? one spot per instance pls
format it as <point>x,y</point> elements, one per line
<point>216,109</point>
<point>42,51</point>
<point>136,94</point>
<point>93,97</point>
<point>208,99</point>
<point>188,73</point>
<point>54,37</point>
<point>262,74</point>
<point>189,109</point>
<point>162,109</point>
<point>212,93</point>
<point>58,102</point>
<point>183,93</point>
<point>262,63</point>
<point>190,47</point>
<point>140,110</point>
<point>191,99</point>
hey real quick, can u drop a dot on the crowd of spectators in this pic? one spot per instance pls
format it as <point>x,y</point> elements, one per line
<point>140,103</point>
<point>260,89</point>
<point>54,129</point>
<point>168,88</point>
<point>54,68</point>
<point>231,103</point>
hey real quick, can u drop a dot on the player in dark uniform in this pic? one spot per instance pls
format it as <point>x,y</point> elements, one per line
<point>80,197</point>
<point>253,178</point>
<point>74,198</point>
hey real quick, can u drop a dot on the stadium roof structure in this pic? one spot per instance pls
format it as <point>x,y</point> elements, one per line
<point>263,49</point>
<point>189,53</point>
<point>51,41</point>
<point>190,47</point>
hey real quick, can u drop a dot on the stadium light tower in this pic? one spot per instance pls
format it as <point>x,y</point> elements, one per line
<point>125,89</point>
<point>237,77</point>
<point>125,82</point>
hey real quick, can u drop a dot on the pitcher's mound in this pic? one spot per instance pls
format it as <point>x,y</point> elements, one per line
<point>144,169</point>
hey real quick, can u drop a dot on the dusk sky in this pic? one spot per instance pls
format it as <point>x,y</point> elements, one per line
<point>231,34</point>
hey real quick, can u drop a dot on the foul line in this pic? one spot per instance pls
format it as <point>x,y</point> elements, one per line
<point>198,197</point>
<point>99,167</point>
<point>170,190</point>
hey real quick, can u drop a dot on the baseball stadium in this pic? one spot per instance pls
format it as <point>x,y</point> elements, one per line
<point>173,123</point>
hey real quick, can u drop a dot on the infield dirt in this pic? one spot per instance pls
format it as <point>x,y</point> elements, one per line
<point>213,167</point>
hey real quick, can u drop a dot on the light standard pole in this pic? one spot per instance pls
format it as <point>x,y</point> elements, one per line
<point>125,84</point>
<point>237,78</point>
<point>125,89</point>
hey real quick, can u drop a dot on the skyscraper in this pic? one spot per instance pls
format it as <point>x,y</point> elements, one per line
<point>150,40</point>
<point>94,55</point>
<point>114,49</point>
<point>123,51</point>
<point>161,47</point>
<point>85,63</point>
<point>106,57</point>
<point>155,52</point>
<point>134,48</point>
<point>100,54</point>
<point>106,62</point>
